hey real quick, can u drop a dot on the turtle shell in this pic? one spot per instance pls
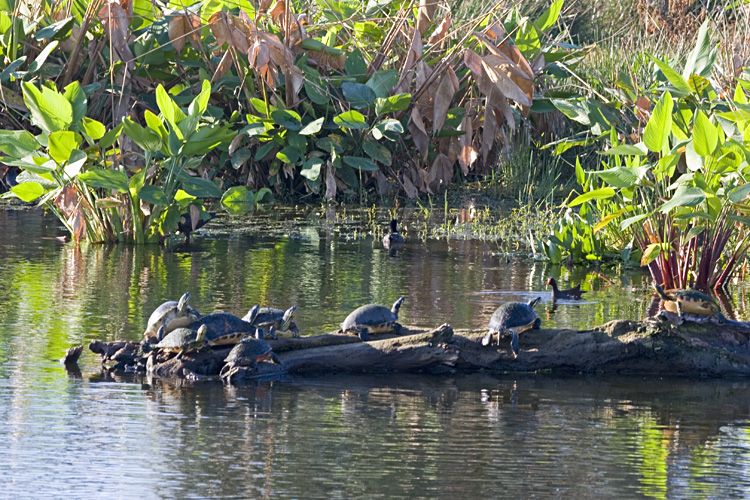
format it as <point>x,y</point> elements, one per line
<point>248,351</point>
<point>518,316</point>
<point>270,316</point>
<point>180,339</point>
<point>223,328</point>
<point>171,314</point>
<point>691,301</point>
<point>372,318</point>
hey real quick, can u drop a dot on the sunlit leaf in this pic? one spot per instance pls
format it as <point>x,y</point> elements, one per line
<point>650,254</point>
<point>238,200</point>
<point>28,191</point>
<point>105,179</point>
<point>705,135</point>
<point>596,194</point>
<point>350,119</point>
<point>659,125</point>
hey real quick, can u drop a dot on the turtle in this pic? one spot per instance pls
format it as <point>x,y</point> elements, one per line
<point>513,318</point>
<point>393,240</point>
<point>282,321</point>
<point>573,293</point>
<point>689,301</point>
<point>182,340</point>
<point>171,314</point>
<point>372,318</point>
<point>224,328</point>
<point>250,350</point>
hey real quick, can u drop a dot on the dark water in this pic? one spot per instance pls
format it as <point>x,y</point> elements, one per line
<point>399,436</point>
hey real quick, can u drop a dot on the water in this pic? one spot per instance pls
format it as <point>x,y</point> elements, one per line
<point>338,436</point>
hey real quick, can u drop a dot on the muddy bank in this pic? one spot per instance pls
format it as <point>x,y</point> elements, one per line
<point>651,347</point>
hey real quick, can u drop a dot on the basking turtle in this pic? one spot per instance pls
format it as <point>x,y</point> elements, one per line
<point>171,314</point>
<point>226,329</point>
<point>513,318</point>
<point>282,321</point>
<point>373,318</point>
<point>182,340</point>
<point>393,240</point>
<point>573,293</point>
<point>249,351</point>
<point>689,301</point>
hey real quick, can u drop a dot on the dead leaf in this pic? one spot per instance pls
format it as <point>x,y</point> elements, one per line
<point>224,66</point>
<point>468,154</point>
<point>424,15</point>
<point>277,11</point>
<point>184,27</point>
<point>442,102</point>
<point>409,188</point>
<point>489,130</point>
<point>115,22</point>
<point>643,109</point>
<point>195,216</point>
<point>67,200</point>
<point>330,182</point>
<point>418,132</point>
<point>77,223</point>
<point>415,52</point>
<point>221,28</point>
<point>441,172</point>
<point>439,34</point>
<point>506,86</point>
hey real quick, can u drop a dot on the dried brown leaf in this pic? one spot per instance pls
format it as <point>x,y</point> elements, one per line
<point>506,85</point>
<point>442,101</point>
<point>195,216</point>
<point>77,223</point>
<point>221,27</point>
<point>643,109</point>
<point>224,65</point>
<point>439,34</point>
<point>441,172</point>
<point>489,129</point>
<point>115,22</point>
<point>409,188</point>
<point>414,53</point>
<point>424,15</point>
<point>467,155</point>
<point>179,27</point>
<point>264,5</point>
<point>418,132</point>
<point>277,11</point>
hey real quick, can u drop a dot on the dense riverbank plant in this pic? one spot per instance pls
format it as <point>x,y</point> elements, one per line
<point>679,191</point>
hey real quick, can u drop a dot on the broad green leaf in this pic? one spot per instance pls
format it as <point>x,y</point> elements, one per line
<point>171,111</point>
<point>110,137</point>
<point>75,163</point>
<point>388,128</point>
<point>260,106</point>
<point>11,68</point>
<point>650,254</point>
<point>656,135</point>
<point>575,109</point>
<point>28,191</point>
<point>358,95</point>
<point>311,168</point>
<point>105,179</point>
<point>360,163</point>
<point>145,138</point>
<point>60,28</point>
<point>200,103</point>
<point>49,109</point>
<point>527,41</point>
<point>607,220</point>
<point>201,188</point>
<point>262,194</point>
<point>17,143</point>
<point>705,135</point>
<point>206,139</point>
<point>392,104</point>
<point>77,99</point>
<point>93,128</point>
<point>377,151</point>
<point>313,127</point>
<point>618,177</point>
<point>315,44</point>
<point>350,119</point>
<point>238,200</point>
<point>580,174</point>
<point>155,124</point>
<point>738,194</point>
<point>684,197</point>
<point>287,118</point>
<point>550,16</point>
<point>37,63</point>
<point>153,194</point>
<point>289,154</point>
<point>382,82</point>
<point>62,143</point>
<point>674,77</point>
<point>701,59</point>
<point>628,150</point>
<point>355,64</point>
<point>596,194</point>
<point>694,231</point>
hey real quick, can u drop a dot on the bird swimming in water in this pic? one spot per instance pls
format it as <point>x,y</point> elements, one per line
<point>393,239</point>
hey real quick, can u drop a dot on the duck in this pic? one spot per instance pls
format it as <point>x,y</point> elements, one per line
<point>567,294</point>
<point>393,239</point>
<point>185,224</point>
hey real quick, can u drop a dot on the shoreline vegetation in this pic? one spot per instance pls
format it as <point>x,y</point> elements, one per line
<point>627,125</point>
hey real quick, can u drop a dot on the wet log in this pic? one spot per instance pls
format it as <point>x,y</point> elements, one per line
<point>70,359</point>
<point>655,346</point>
<point>402,353</point>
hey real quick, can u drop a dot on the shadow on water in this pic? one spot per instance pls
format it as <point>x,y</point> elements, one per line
<point>341,436</point>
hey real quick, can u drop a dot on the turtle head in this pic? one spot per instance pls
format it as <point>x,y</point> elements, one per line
<point>183,303</point>
<point>287,319</point>
<point>659,290</point>
<point>201,335</point>
<point>259,334</point>
<point>533,302</point>
<point>160,333</point>
<point>397,305</point>
<point>252,314</point>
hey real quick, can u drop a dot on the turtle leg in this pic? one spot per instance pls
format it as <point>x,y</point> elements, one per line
<point>514,342</point>
<point>273,358</point>
<point>397,327</point>
<point>537,324</point>
<point>487,339</point>
<point>362,332</point>
<point>295,331</point>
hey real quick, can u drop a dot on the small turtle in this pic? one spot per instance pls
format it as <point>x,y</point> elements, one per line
<point>282,321</point>
<point>249,351</point>
<point>373,318</point>
<point>513,318</point>
<point>182,340</point>
<point>689,301</point>
<point>224,328</point>
<point>171,315</point>
<point>393,240</point>
<point>573,293</point>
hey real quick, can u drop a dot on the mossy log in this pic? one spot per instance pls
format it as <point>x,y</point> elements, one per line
<point>652,347</point>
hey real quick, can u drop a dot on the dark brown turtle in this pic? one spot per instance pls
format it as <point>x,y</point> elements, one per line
<point>513,318</point>
<point>248,352</point>
<point>372,318</point>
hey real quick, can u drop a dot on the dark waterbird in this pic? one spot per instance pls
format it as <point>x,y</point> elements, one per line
<point>186,225</point>
<point>573,293</point>
<point>393,239</point>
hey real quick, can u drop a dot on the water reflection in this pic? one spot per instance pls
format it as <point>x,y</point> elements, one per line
<point>342,436</point>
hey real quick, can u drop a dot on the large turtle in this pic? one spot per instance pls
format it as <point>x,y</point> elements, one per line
<point>282,321</point>
<point>689,301</point>
<point>513,318</point>
<point>171,314</point>
<point>393,240</point>
<point>372,318</point>
<point>225,329</point>
<point>182,340</point>
<point>248,352</point>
